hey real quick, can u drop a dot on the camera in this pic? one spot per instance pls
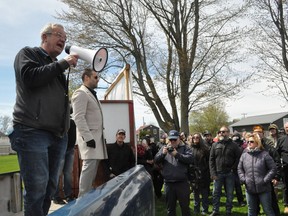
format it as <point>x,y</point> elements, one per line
<point>170,149</point>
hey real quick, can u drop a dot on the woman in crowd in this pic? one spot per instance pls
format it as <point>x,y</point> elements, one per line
<point>145,156</point>
<point>256,169</point>
<point>200,178</point>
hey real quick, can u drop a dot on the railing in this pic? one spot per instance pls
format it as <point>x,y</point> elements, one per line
<point>130,193</point>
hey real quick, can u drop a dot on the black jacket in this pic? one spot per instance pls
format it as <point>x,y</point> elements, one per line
<point>41,91</point>
<point>224,157</point>
<point>282,148</point>
<point>200,165</point>
<point>120,158</point>
<point>269,147</point>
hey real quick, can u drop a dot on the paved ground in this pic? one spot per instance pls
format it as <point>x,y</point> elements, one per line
<point>52,209</point>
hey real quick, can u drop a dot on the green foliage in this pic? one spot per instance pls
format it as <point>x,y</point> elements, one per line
<point>211,118</point>
<point>143,133</point>
<point>8,163</point>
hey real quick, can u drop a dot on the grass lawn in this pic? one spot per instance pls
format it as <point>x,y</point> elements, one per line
<point>160,208</point>
<point>8,163</point>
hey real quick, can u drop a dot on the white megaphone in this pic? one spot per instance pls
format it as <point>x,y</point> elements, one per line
<point>98,59</point>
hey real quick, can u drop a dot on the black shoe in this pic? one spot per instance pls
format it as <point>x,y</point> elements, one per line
<point>59,201</point>
<point>69,198</point>
<point>214,213</point>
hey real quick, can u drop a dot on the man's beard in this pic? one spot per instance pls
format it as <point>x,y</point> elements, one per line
<point>223,138</point>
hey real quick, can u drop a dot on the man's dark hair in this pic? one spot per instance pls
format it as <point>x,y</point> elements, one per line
<point>86,72</point>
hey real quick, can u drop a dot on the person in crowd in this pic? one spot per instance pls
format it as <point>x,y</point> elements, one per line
<point>189,140</point>
<point>216,138</point>
<point>269,147</point>
<point>273,134</point>
<point>183,137</point>
<point>208,138</point>
<point>162,142</point>
<point>245,139</point>
<point>41,117</point>
<point>283,152</point>
<point>223,161</point>
<point>175,158</point>
<point>156,168</point>
<point>159,181</point>
<point>67,168</point>
<point>152,145</point>
<point>145,156</point>
<point>88,118</point>
<point>120,156</point>
<point>256,169</point>
<point>236,137</point>
<point>200,178</point>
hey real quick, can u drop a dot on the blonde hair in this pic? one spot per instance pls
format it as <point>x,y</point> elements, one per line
<point>257,140</point>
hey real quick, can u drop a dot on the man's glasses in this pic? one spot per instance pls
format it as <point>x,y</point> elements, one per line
<point>172,140</point>
<point>58,35</point>
<point>222,131</point>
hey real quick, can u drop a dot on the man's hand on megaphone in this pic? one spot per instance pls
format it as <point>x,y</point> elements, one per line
<point>72,60</point>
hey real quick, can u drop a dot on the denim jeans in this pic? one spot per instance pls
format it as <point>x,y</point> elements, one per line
<point>253,203</point>
<point>39,156</point>
<point>66,168</point>
<point>227,179</point>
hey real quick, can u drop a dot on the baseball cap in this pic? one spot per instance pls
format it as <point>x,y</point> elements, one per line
<point>173,134</point>
<point>273,126</point>
<point>206,132</point>
<point>121,131</point>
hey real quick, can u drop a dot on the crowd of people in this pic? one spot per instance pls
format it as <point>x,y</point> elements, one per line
<point>229,161</point>
<point>182,164</point>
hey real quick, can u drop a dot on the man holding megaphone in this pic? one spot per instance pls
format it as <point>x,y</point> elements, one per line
<point>41,117</point>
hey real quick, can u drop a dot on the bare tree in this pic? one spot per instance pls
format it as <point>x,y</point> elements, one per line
<point>183,53</point>
<point>269,43</point>
<point>5,122</point>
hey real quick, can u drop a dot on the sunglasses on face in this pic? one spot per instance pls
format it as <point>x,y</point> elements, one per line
<point>172,140</point>
<point>250,141</point>
<point>222,131</point>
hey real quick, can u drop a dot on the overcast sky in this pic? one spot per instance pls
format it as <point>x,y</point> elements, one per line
<point>20,24</point>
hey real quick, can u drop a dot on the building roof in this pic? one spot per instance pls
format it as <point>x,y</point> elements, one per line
<point>260,119</point>
<point>144,127</point>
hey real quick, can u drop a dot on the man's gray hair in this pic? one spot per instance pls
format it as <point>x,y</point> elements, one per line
<point>48,28</point>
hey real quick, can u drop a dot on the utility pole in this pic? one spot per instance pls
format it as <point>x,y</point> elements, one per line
<point>244,115</point>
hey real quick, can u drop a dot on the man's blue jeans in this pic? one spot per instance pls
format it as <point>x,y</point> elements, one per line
<point>39,155</point>
<point>66,167</point>
<point>229,180</point>
<point>253,203</point>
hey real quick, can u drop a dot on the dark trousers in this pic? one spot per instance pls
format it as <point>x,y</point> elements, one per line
<point>285,181</point>
<point>177,191</point>
<point>158,183</point>
<point>238,190</point>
